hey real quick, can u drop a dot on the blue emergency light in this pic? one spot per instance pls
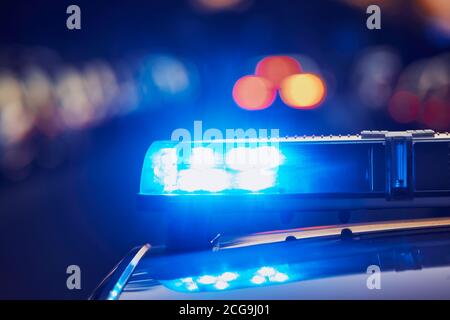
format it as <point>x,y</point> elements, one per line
<point>245,185</point>
<point>372,169</point>
<point>199,193</point>
<point>204,170</point>
<point>263,276</point>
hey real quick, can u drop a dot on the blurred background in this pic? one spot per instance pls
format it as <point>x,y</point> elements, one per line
<point>79,108</point>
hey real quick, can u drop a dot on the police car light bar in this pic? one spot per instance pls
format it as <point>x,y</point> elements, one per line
<point>374,169</point>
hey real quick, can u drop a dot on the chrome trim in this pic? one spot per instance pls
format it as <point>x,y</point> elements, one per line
<point>112,286</point>
<point>333,230</point>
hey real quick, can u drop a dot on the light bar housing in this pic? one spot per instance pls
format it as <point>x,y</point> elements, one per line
<point>374,169</point>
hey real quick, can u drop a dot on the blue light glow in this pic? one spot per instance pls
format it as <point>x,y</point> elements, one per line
<point>266,271</point>
<point>212,180</point>
<point>286,166</point>
<point>165,168</point>
<point>269,274</point>
<point>248,169</point>
<point>260,158</point>
<point>221,284</point>
<point>258,279</point>
<point>207,280</point>
<point>255,180</point>
<point>265,275</point>
<point>189,284</point>
<point>279,277</point>
<point>202,158</point>
<point>229,276</point>
<point>192,287</point>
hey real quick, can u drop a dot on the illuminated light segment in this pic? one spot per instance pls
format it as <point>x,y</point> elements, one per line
<point>258,279</point>
<point>229,276</point>
<point>220,285</point>
<point>372,170</point>
<point>188,284</point>
<point>249,169</point>
<point>256,166</point>
<point>268,274</point>
<point>219,282</point>
<point>255,180</point>
<point>282,166</point>
<point>213,180</point>
<point>202,176</point>
<point>266,271</point>
<point>165,169</point>
<point>202,157</point>
<point>233,280</point>
<point>264,157</point>
<point>279,277</point>
<point>207,280</point>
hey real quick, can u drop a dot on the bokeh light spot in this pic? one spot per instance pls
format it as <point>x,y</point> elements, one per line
<point>253,93</point>
<point>303,91</point>
<point>404,106</point>
<point>277,68</point>
<point>436,114</point>
<point>220,5</point>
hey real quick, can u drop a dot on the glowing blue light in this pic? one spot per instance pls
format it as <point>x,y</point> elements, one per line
<point>203,158</point>
<point>113,294</point>
<point>279,277</point>
<point>264,157</point>
<point>272,274</point>
<point>228,276</point>
<point>165,168</point>
<point>207,280</point>
<point>255,180</point>
<point>192,287</point>
<point>266,271</point>
<point>221,284</point>
<point>265,275</point>
<point>212,180</point>
<point>258,279</point>
<point>247,169</point>
<point>187,279</point>
<point>189,284</point>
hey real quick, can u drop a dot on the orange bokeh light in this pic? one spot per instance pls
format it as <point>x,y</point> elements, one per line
<point>277,68</point>
<point>303,91</point>
<point>253,93</point>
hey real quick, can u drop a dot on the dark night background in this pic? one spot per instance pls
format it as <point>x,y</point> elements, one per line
<point>68,196</point>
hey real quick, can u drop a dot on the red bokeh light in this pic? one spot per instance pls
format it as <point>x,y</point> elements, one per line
<point>277,68</point>
<point>404,106</point>
<point>253,93</point>
<point>436,114</point>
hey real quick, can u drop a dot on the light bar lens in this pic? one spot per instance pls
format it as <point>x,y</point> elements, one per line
<point>261,167</point>
<point>206,170</point>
